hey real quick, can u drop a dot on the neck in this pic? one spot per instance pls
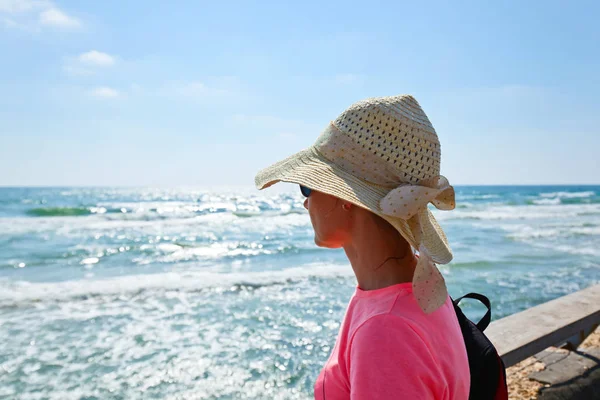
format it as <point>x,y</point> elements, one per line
<point>379,256</point>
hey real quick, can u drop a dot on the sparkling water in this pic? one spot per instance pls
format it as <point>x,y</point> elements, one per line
<point>112,293</point>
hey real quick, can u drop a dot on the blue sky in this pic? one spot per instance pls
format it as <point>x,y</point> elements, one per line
<point>192,93</point>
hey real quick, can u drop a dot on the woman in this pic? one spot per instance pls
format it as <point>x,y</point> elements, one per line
<point>367,180</point>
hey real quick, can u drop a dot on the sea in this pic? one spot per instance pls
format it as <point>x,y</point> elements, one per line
<point>221,293</point>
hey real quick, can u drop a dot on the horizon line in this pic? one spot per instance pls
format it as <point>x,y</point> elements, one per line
<point>250,186</point>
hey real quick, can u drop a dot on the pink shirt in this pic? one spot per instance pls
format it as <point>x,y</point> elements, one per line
<point>387,348</point>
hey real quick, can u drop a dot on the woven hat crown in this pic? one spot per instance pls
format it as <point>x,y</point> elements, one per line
<point>385,140</point>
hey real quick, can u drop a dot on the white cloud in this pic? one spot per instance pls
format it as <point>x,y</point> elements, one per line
<point>87,63</point>
<point>32,15</point>
<point>96,58</point>
<point>105,92</point>
<point>21,6</point>
<point>57,18</point>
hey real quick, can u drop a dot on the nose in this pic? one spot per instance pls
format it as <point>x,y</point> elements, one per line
<point>306,203</point>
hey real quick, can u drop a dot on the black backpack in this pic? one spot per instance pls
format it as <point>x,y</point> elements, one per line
<point>488,373</point>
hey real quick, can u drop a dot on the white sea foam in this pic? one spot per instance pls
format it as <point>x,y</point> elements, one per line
<point>587,230</point>
<point>461,197</point>
<point>547,201</point>
<point>531,232</point>
<point>568,195</point>
<point>212,251</point>
<point>90,261</point>
<point>554,230</point>
<point>520,212</point>
<point>76,226</point>
<point>14,292</point>
<point>570,249</point>
<point>168,247</point>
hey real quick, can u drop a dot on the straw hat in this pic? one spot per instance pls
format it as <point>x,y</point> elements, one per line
<point>383,154</point>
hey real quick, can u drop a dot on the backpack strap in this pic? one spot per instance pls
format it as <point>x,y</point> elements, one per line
<point>485,321</point>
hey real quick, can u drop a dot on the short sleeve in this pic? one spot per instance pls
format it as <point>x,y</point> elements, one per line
<point>389,360</point>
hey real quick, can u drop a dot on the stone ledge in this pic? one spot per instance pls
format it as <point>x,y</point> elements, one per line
<point>560,374</point>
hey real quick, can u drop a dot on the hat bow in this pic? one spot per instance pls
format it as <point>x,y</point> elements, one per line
<point>406,200</point>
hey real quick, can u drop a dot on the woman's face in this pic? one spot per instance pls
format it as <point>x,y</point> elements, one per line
<point>330,221</point>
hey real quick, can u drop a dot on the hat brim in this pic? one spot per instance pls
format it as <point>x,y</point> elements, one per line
<point>311,169</point>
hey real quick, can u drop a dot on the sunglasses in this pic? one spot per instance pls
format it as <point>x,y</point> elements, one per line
<point>305,191</point>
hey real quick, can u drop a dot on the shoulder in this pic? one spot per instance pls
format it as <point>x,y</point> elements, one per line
<point>387,327</point>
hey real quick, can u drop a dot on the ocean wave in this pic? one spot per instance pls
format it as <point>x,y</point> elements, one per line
<point>564,200</point>
<point>247,214</point>
<point>176,253</point>
<point>71,211</point>
<point>554,201</point>
<point>587,231</point>
<point>150,212</point>
<point>464,205</point>
<point>205,251</point>
<point>269,213</point>
<point>20,293</point>
<point>576,200</point>
<point>570,249</point>
<point>569,195</point>
<point>473,264</point>
<point>526,233</point>
<point>553,230</point>
<point>520,212</point>
<point>59,211</point>
<point>94,224</point>
<point>461,197</point>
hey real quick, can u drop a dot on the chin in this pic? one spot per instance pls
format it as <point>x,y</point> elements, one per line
<point>326,244</point>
